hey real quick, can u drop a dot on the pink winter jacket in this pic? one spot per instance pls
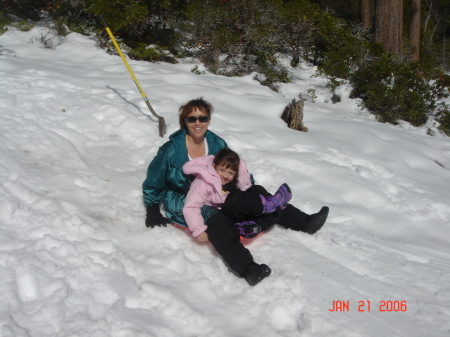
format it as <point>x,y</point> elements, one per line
<point>206,189</point>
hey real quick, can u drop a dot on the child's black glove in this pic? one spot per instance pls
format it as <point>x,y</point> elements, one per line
<point>154,217</point>
<point>230,187</point>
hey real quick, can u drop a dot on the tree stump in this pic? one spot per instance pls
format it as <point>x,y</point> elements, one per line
<point>293,115</point>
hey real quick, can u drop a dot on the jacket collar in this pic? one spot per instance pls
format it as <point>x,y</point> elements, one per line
<point>178,138</point>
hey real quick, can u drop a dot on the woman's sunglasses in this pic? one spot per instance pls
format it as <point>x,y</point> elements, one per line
<point>193,119</point>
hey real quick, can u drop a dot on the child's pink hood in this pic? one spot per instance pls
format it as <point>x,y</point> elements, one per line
<point>206,189</point>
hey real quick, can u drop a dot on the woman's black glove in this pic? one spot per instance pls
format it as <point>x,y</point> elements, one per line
<point>154,217</point>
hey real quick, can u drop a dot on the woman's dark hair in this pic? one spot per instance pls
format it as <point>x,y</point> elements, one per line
<point>198,103</point>
<point>229,159</point>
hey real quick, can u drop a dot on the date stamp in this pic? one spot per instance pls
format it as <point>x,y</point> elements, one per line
<point>364,306</point>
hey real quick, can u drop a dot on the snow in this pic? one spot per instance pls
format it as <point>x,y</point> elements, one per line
<point>77,260</point>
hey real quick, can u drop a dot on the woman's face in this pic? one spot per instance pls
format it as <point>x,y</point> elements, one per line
<point>197,128</point>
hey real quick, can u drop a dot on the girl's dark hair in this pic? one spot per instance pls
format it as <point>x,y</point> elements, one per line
<point>229,159</point>
<point>198,103</point>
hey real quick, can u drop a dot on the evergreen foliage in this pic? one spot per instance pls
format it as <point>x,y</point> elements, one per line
<point>237,37</point>
<point>240,37</point>
<point>4,22</point>
<point>396,91</point>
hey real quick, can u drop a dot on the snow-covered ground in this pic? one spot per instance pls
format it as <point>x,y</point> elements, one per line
<point>77,260</point>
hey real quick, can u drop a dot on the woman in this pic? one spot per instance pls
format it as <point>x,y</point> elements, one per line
<point>166,181</point>
<point>167,184</point>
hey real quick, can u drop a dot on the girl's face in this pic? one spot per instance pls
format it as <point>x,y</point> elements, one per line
<point>197,128</point>
<point>226,174</point>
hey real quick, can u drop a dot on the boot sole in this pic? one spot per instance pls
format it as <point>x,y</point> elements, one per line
<point>289,191</point>
<point>319,221</point>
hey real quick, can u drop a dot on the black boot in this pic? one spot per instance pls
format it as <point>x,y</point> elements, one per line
<point>316,221</point>
<point>255,273</point>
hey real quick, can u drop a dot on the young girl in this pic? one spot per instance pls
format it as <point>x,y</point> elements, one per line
<point>221,182</point>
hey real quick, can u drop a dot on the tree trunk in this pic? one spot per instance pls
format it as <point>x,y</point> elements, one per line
<point>389,25</point>
<point>414,29</point>
<point>365,13</point>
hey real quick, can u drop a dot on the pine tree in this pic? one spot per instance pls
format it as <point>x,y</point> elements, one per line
<point>365,13</point>
<point>414,29</point>
<point>389,25</point>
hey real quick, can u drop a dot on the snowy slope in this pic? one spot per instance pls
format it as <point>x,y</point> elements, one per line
<point>77,260</point>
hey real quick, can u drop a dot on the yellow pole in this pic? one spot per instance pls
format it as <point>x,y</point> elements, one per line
<point>162,123</point>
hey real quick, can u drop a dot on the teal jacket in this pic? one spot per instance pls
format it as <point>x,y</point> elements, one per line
<point>166,181</point>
